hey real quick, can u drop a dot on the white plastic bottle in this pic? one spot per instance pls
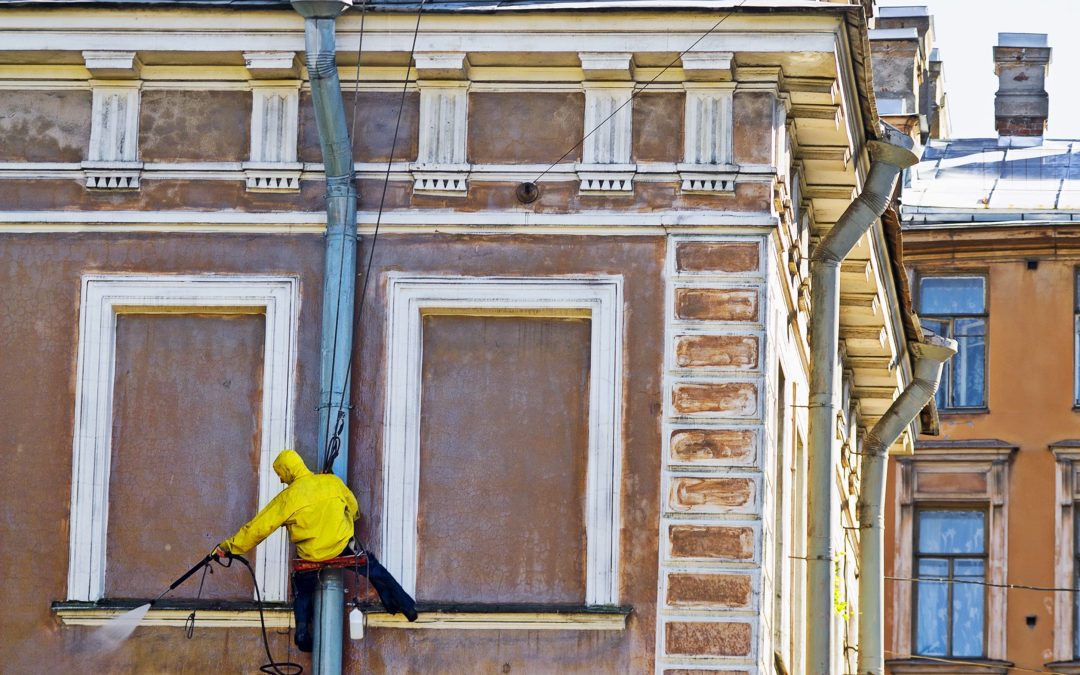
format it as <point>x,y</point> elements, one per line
<point>356,624</point>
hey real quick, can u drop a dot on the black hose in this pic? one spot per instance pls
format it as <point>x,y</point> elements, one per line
<point>271,667</point>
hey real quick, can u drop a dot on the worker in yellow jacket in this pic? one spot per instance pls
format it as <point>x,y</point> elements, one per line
<point>318,510</point>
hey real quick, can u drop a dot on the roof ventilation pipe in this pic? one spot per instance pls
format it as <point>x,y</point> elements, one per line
<point>930,357</point>
<point>887,160</point>
<point>339,289</point>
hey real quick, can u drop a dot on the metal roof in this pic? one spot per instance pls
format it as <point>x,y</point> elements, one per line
<point>975,180</point>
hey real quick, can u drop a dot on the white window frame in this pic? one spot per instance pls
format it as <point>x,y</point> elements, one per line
<point>412,297</point>
<point>988,458</point>
<point>104,298</point>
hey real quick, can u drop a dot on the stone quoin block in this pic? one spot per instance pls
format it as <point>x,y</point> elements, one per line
<point>701,638</point>
<point>716,304</point>
<point>709,590</point>
<point>728,257</point>
<point>695,445</point>
<point>734,398</point>
<point>739,352</point>
<point>710,494</point>
<point>716,542</point>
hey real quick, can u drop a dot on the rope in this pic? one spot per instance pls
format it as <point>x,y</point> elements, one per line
<point>638,92</point>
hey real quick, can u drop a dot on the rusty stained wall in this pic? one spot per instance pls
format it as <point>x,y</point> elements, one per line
<point>1030,396</point>
<point>504,439</point>
<point>376,114</point>
<point>640,260</point>
<point>44,126</point>
<point>39,307</point>
<point>186,430</point>
<point>39,280</point>
<point>506,128</point>
<point>194,126</point>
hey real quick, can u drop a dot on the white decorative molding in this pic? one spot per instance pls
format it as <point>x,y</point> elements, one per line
<point>265,65</point>
<point>441,181</point>
<point>707,145</point>
<point>605,163</point>
<point>608,118</point>
<point>441,66</point>
<point>692,179</point>
<point>103,298</point>
<point>707,66</point>
<point>274,127</point>
<point>441,166</point>
<point>607,65</point>
<point>114,137</point>
<point>112,175</point>
<point>597,178</point>
<point>708,135</point>
<point>112,65</point>
<point>1067,454</point>
<point>984,463</point>
<point>410,297</point>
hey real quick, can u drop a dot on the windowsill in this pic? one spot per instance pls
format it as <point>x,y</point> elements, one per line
<point>175,613</point>
<point>432,616</point>
<point>435,616</point>
<point>1065,667</point>
<point>963,411</point>
<point>948,666</point>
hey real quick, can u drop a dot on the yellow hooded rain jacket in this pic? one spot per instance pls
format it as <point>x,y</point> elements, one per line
<point>317,509</point>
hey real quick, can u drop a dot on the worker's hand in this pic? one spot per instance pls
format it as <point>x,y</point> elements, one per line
<point>219,552</point>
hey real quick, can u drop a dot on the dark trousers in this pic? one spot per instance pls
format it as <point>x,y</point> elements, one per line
<point>393,596</point>
<point>305,584</point>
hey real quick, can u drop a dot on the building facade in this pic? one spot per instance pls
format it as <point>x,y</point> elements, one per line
<point>985,511</point>
<point>579,418</point>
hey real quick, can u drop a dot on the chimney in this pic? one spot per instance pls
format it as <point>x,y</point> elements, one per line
<point>1021,105</point>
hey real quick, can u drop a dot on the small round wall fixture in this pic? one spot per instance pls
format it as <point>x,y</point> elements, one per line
<point>527,192</point>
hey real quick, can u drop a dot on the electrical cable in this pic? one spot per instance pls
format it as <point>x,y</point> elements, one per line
<point>334,443</point>
<point>637,92</point>
<point>1022,587</point>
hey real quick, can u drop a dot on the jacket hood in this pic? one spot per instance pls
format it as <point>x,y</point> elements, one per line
<point>289,466</point>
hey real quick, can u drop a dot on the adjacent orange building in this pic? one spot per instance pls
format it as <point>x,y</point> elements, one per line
<point>986,509</point>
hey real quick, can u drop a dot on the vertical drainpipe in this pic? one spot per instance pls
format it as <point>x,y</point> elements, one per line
<point>886,162</point>
<point>339,288</point>
<point>930,357</point>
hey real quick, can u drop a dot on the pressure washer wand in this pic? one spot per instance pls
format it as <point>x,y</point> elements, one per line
<point>198,566</point>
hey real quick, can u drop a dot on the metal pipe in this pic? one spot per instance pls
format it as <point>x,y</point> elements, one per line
<point>339,288</point>
<point>930,357</point>
<point>886,163</point>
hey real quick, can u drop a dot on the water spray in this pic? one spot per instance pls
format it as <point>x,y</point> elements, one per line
<point>120,628</point>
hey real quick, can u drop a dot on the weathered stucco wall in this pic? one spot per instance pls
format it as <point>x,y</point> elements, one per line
<point>39,326</point>
<point>39,275</point>
<point>1030,392</point>
<point>376,115</point>
<point>640,260</point>
<point>503,452</point>
<point>187,409</point>
<point>44,126</point>
<point>194,126</point>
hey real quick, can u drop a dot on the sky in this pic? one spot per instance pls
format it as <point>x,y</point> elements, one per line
<point>966,32</point>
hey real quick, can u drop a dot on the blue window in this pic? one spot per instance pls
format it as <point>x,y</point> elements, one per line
<point>955,307</point>
<point>950,608</point>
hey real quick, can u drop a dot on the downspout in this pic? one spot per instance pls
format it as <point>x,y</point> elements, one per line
<point>338,289</point>
<point>886,162</point>
<point>930,357</point>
